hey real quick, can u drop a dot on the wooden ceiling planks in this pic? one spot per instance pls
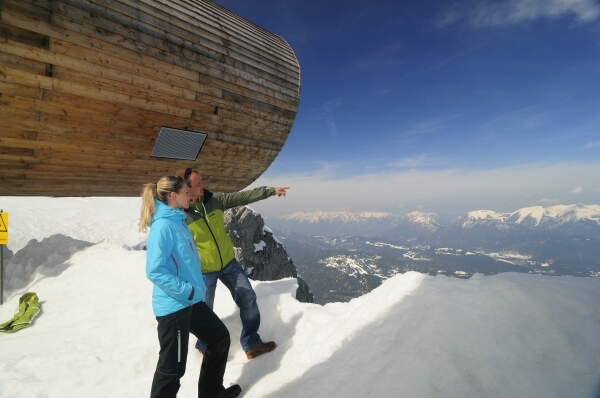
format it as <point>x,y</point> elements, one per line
<point>85,87</point>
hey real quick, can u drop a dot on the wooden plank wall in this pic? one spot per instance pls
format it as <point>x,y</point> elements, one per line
<point>86,85</point>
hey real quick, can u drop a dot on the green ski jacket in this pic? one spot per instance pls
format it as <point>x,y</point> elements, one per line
<point>29,307</point>
<point>205,220</point>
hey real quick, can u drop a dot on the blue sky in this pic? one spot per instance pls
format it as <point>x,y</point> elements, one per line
<point>440,107</point>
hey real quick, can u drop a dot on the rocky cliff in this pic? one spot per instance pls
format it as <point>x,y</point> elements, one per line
<point>257,250</point>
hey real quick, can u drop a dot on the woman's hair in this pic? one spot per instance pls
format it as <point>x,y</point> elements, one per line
<point>159,191</point>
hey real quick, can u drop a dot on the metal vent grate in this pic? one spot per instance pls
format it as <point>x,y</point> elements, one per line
<point>178,144</point>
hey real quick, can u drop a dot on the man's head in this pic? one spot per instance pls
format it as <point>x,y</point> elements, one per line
<point>194,181</point>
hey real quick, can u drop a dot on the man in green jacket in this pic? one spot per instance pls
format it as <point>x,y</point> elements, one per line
<point>206,223</point>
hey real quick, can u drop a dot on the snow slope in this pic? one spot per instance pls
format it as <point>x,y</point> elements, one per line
<point>507,335</point>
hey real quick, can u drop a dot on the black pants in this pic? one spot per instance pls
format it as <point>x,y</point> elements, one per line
<point>173,336</point>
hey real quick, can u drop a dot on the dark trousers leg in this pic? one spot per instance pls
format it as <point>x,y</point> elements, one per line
<point>207,326</point>
<point>173,336</point>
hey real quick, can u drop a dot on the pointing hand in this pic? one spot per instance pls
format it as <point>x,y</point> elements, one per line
<point>280,191</point>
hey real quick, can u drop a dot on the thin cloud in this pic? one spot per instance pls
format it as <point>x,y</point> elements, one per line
<point>548,201</point>
<point>576,189</point>
<point>387,58</point>
<point>433,125</point>
<point>497,13</point>
<point>592,144</point>
<point>326,113</point>
<point>450,16</point>
<point>421,161</point>
<point>454,57</point>
<point>522,119</point>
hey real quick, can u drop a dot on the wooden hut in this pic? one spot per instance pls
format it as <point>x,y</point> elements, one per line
<point>98,97</point>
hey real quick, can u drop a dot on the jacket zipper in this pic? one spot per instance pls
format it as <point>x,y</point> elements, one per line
<point>214,239</point>
<point>178,345</point>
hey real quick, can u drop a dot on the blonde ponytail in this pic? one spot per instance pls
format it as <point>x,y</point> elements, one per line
<point>159,191</point>
<point>148,195</point>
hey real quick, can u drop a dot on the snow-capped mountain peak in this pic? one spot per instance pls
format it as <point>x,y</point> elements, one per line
<point>535,213</point>
<point>420,216</point>
<point>536,216</point>
<point>337,216</point>
<point>424,220</point>
<point>555,215</point>
<point>478,216</point>
<point>574,212</point>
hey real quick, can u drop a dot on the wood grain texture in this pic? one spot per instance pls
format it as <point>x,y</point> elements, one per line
<point>86,85</point>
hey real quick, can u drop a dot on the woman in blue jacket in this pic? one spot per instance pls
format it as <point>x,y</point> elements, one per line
<point>173,266</point>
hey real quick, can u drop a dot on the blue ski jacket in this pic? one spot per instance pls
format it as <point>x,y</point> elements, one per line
<point>172,262</point>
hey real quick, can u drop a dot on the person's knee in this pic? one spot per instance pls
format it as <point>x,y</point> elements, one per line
<point>222,340</point>
<point>242,282</point>
<point>226,337</point>
<point>245,298</point>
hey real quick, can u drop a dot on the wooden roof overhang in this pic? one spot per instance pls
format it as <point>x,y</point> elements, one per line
<point>86,86</point>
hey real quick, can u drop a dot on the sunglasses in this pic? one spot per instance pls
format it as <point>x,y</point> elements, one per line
<point>187,173</point>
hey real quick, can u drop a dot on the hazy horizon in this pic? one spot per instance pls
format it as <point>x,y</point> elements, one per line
<point>448,193</point>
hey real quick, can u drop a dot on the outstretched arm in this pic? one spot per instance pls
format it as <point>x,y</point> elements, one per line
<point>280,191</point>
<point>242,198</point>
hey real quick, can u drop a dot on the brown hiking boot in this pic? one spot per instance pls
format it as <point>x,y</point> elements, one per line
<point>260,349</point>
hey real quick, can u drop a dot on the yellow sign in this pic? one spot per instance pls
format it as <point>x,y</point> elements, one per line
<point>3,228</point>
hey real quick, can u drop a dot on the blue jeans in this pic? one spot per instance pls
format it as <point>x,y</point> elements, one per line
<point>236,280</point>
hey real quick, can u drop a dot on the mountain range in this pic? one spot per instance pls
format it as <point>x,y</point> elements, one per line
<point>567,219</point>
<point>339,264</point>
<point>336,223</point>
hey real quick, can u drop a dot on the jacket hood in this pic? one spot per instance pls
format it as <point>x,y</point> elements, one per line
<point>161,210</point>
